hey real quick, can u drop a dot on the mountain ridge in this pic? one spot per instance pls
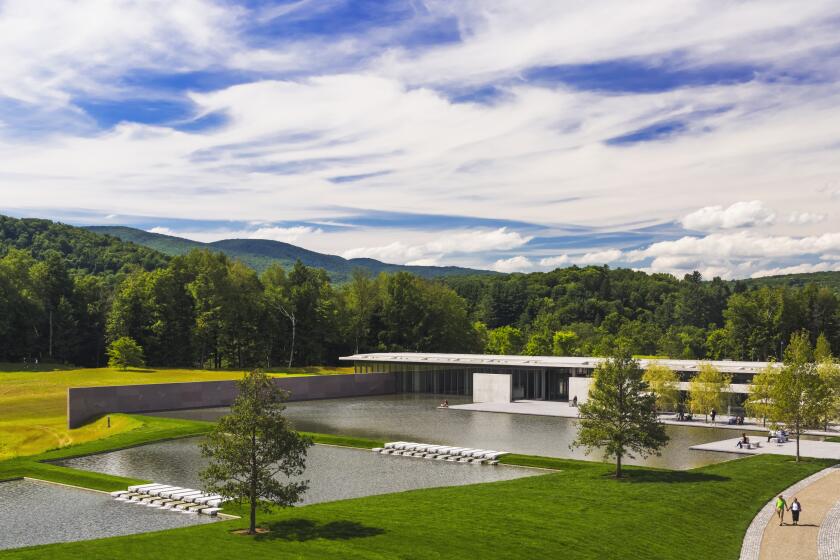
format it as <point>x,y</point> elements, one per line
<point>259,254</point>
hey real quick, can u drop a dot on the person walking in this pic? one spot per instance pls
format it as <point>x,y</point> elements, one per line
<point>713,414</point>
<point>781,506</point>
<point>795,509</point>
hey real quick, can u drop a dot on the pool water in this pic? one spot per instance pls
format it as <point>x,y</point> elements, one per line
<point>34,513</point>
<point>334,473</point>
<point>417,418</point>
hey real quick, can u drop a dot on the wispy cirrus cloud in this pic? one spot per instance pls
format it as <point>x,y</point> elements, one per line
<point>610,117</point>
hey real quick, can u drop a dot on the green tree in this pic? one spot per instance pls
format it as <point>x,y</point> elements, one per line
<point>362,300</point>
<point>564,343</point>
<point>253,444</point>
<point>620,414</point>
<point>504,340</point>
<point>539,344</point>
<point>801,399</point>
<point>759,403</point>
<point>124,353</point>
<point>708,389</point>
<point>664,384</point>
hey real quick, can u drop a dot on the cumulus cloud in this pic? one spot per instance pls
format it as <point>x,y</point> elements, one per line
<point>740,214</point>
<point>513,264</point>
<point>310,108</point>
<point>162,231</point>
<point>284,234</point>
<point>500,239</point>
<point>805,218</point>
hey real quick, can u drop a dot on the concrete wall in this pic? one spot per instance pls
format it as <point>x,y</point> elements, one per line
<point>492,387</point>
<point>579,386</point>
<point>86,403</point>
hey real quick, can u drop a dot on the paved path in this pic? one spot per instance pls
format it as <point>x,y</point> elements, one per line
<point>807,448</point>
<point>816,536</point>
<point>564,410</point>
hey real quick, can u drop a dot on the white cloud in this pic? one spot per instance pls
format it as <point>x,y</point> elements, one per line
<point>805,218</point>
<point>163,231</point>
<point>740,214</point>
<point>555,261</point>
<point>452,243</point>
<point>538,153</point>
<point>513,264</point>
<point>286,235</point>
<point>600,257</point>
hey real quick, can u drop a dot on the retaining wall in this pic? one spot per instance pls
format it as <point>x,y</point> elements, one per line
<point>87,403</point>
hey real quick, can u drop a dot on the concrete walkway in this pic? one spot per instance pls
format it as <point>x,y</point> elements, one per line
<point>819,495</point>
<point>807,448</point>
<point>565,410</point>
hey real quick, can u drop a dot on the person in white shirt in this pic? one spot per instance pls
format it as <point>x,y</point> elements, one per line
<point>795,508</point>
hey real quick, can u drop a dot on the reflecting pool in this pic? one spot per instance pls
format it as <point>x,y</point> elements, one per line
<point>416,418</point>
<point>33,513</point>
<point>334,473</point>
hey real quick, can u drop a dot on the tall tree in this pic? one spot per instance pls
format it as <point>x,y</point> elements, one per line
<point>620,415</point>
<point>708,389</point>
<point>664,384</point>
<point>801,399</point>
<point>759,403</point>
<point>362,299</point>
<point>251,446</point>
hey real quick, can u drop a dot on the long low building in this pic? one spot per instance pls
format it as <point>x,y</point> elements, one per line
<point>552,378</point>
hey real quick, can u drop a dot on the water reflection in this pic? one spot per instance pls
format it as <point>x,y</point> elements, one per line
<point>416,418</point>
<point>33,513</point>
<point>334,473</point>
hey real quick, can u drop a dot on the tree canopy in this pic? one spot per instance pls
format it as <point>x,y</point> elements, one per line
<point>619,416</point>
<point>254,452</point>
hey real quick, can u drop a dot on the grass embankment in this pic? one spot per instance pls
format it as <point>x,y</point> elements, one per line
<point>148,429</point>
<point>578,512</point>
<point>33,415</point>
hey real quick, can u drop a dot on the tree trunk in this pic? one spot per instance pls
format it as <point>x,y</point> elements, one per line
<point>797,446</point>
<point>51,333</point>
<point>292,350</point>
<point>618,466</point>
<point>252,527</point>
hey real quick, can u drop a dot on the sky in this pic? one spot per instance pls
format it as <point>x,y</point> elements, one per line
<point>665,136</point>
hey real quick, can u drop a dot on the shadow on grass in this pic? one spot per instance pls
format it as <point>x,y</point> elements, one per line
<point>306,530</point>
<point>671,477</point>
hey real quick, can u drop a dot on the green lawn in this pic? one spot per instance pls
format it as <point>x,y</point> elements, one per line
<point>33,415</point>
<point>578,512</point>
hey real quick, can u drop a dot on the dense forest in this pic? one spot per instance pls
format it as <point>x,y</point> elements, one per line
<point>66,293</point>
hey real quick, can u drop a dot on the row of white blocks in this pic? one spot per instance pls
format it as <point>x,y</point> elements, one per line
<point>441,452</point>
<point>176,498</point>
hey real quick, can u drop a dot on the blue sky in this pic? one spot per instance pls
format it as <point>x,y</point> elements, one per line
<point>490,133</point>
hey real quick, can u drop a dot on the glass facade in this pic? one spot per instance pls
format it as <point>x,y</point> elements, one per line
<point>531,383</point>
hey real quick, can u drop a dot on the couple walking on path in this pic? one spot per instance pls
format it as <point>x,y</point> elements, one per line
<point>795,508</point>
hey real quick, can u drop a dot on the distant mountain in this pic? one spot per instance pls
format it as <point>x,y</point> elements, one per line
<point>259,254</point>
<point>830,279</point>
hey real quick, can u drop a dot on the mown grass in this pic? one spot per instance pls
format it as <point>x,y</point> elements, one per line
<point>578,512</point>
<point>33,416</point>
<point>149,429</point>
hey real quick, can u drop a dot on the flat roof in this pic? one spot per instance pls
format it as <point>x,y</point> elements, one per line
<point>728,366</point>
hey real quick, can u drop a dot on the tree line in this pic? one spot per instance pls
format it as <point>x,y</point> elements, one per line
<point>586,311</point>
<point>66,294</point>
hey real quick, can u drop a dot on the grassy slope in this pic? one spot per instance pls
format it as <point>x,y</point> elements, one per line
<point>579,512</point>
<point>33,416</point>
<point>147,429</point>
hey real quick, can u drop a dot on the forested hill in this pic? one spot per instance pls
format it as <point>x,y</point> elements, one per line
<point>79,248</point>
<point>259,254</point>
<point>829,279</point>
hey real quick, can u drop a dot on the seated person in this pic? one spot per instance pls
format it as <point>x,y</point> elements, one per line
<point>743,442</point>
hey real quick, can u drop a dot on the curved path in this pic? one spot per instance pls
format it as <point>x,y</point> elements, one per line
<point>817,535</point>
